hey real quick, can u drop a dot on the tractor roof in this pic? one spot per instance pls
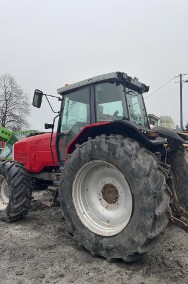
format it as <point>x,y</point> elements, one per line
<point>111,77</point>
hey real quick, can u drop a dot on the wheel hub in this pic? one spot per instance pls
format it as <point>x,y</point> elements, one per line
<point>102,198</point>
<point>110,193</point>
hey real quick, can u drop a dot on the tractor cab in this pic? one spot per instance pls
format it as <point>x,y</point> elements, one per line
<point>106,98</point>
<point>102,100</point>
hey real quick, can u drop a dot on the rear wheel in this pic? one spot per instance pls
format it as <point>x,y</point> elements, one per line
<point>178,160</point>
<point>15,191</point>
<point>114,197</point>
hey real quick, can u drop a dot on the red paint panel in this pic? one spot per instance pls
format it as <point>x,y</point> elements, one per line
<point>34,152</point>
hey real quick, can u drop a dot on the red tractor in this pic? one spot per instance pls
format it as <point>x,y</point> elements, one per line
<point>118,180</point>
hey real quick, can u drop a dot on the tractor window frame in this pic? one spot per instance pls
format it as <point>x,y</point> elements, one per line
<point>122,99</point>
<point>125,99</point>
<point>61,158</point>
<point>128,93</point>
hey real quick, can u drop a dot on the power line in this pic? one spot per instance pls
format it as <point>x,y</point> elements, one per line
<point>160,88</point>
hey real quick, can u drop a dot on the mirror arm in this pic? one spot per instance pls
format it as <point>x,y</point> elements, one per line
<point>59,99</point>
<point>50,103</point>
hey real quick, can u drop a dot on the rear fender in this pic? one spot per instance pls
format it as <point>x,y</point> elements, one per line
<point>174,139</point>
<point>120,127</point>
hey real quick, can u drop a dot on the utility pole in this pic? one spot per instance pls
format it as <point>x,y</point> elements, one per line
<point>181,101</point>
<point>181,108</point>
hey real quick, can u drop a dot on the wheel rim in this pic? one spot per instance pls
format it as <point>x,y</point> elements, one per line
<point>102,198</point>
<point>4,193</point>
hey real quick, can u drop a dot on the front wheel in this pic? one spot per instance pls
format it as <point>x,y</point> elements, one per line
<point>114,197</point>
<point>15,191</point>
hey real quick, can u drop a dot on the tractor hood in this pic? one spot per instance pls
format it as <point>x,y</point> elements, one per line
<point>35,152</point>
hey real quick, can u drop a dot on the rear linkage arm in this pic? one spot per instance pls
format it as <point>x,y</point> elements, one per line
<point>181,212</point>
<point>179,209</point>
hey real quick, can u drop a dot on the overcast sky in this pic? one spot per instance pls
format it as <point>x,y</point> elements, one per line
<point>45,44</point>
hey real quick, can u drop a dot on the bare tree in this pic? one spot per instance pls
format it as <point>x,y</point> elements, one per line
<point>14,104</point>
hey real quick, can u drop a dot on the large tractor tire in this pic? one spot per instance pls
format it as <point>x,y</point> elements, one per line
<point>15,191</point>
<point>179,168</point>
<point>114,197</point>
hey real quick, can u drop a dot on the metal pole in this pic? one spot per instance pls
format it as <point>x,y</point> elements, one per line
<point>181,109</point>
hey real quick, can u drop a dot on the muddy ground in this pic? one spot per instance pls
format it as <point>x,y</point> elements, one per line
<point>38,249</point>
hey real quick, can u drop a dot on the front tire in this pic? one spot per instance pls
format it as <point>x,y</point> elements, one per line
<point>114,197</point>
<point>15,191</point>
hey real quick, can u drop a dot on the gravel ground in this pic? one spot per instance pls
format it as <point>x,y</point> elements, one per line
<point>38,249</point>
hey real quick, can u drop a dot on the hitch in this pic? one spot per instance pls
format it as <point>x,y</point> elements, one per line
<point>179,223</point>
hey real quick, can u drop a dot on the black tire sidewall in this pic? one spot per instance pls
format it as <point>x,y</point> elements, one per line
<point>178,160</point>
<point>20,191</point>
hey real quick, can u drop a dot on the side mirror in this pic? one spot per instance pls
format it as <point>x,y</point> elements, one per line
<point>37,98</point>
